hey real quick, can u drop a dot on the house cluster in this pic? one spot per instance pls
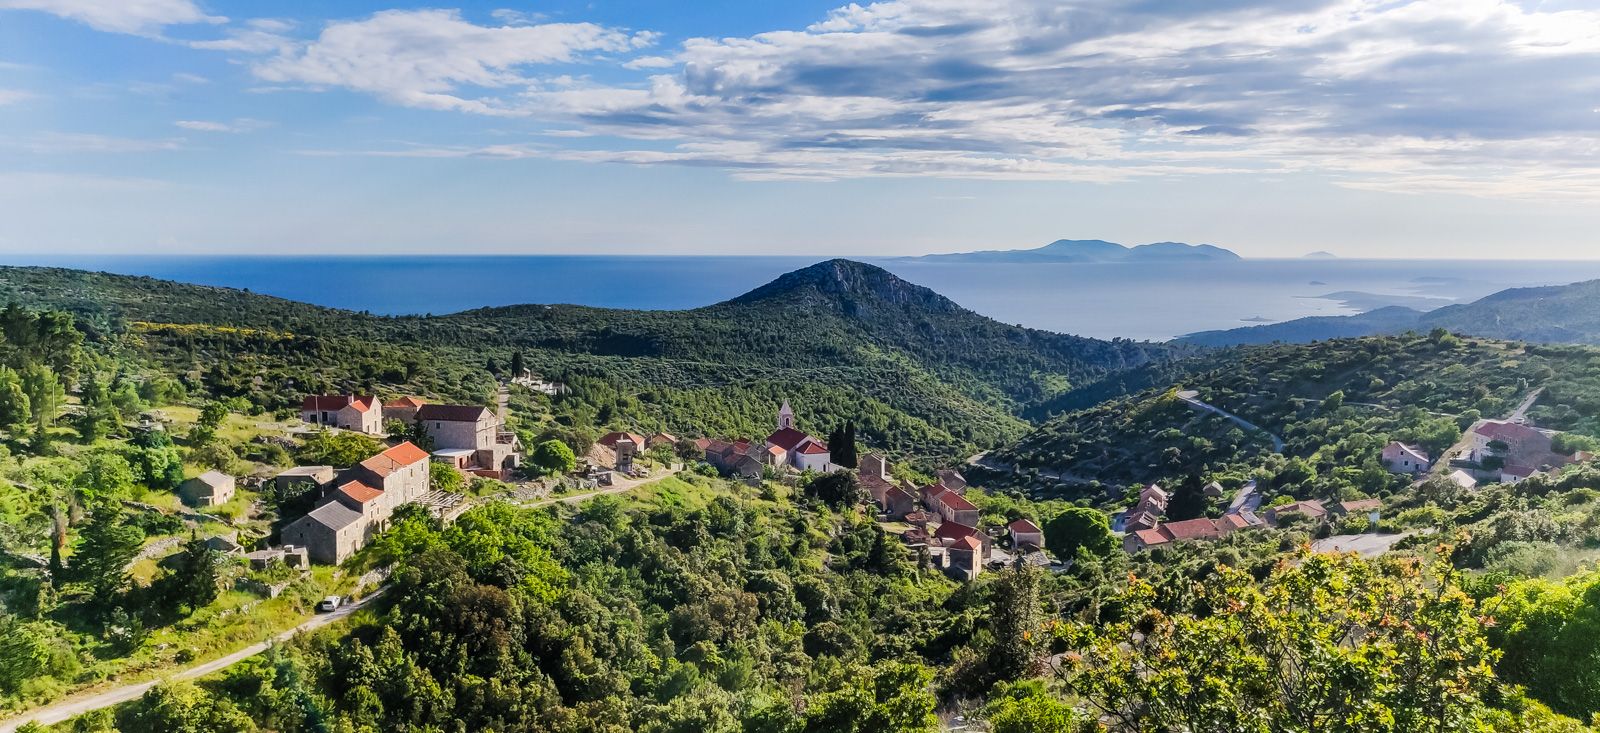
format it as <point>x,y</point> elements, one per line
<point>356,504</point>
<point>616,452</point>
<point>1142,527</point>
<point>943,520</point>
<point>1501,451</point>
<point>469,437</point>
<point>787,448</point>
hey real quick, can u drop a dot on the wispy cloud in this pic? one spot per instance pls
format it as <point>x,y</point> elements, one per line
<point>137,17</point>
<point>12,96</point>
<point>237,125</point>
<point>435,59</point>
<point>77,142</point>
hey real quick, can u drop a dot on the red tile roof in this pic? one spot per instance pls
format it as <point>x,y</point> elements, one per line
<point>360,492</point>
<point>1361,505</point>
<point>610,440</point>
<point>1152,537</point>
<point>407,401</point>
<point>394,459</point>
<point>955,501</point>
<point>954,530</point>
<point>1023,526</point>
<point>335,402</point>
<point>968,543</point>
<point>1192,529</point>
<point>787,438</point>
<point>813,448</point>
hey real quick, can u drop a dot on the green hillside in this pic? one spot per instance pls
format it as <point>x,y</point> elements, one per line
<point>841,340</point>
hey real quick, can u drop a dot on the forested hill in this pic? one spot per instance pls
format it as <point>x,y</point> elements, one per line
<point>832,314</point>
<point>842,339</point>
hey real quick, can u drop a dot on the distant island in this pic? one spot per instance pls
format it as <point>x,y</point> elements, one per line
<point>1094,250</point>
<point>1320,255</point>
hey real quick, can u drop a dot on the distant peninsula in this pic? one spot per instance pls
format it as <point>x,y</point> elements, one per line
<point>1094,250</point>
<point>1320,255</point>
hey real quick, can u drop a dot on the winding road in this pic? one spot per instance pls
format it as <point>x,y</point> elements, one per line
<point>1192,398</point>
<point>73,707</point>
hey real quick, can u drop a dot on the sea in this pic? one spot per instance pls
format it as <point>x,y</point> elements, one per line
<point>1141,301</point>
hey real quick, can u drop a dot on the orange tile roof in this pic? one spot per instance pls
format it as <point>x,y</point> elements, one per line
<point>360,492</point>
<point>968,543</point>
<point>1023,525</point>
<point>813,448</point>
<point>1152,537</point>
<point>394,459</point>
<point>956,501</point>
<point>407,401</point>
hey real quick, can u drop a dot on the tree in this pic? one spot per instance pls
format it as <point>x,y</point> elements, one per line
<point>845,454</point>
<point>344,448</point>
<point>16,412</point>
<point>181,707</point>
<point>1188,501</point>
<point>1333,401</point>
<point>1079,528</point>
<point>554,456</point>
<point>106,477</point>
<point>838,489</point>
<point>106,546</point>
<point>444,477</point>
<point>45,394</point>
<point>1549,632</point>
<point>1016,618</point>
<point>194,579</point>
<point>205,429</point>
<point>1027,707</point>
<point>1325,643</point>
<point>159,464</point>
<point>891,697</point>
<point>517,365</point>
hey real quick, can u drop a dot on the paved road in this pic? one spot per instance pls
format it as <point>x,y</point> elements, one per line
<point>73,707</point>
<point>1521,413</point>
<point>1367,545</point>
<point>1193,398</point>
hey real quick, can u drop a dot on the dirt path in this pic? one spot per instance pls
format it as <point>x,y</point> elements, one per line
<point>621,486</point>
<point>73,707</point>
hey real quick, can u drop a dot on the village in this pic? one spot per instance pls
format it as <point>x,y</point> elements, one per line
<point>935,519</point>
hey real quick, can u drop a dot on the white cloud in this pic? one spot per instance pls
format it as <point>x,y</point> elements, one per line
<point>240,124</point>
<point>435,59</point>
<point>138,17</point>
<point>75,142</point>
<point>12,96</point>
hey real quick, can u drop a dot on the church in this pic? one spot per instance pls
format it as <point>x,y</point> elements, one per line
<point>789,447</point>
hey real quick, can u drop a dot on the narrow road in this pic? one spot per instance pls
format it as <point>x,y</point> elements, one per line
<point>1192,398</point>
<point>502,403</point>
<point>1521,413</point>
<point>621,486</point>
<point>73,707</point>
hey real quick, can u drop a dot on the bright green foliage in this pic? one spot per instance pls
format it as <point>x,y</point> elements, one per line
<point>444,477</point>
<point>205,429</point>
<point>1079,528</point>
<point>1028,707</point>
<point>107,477</point>
<point>182,708</point>
<point>342,448</point>
<point>1325,643</point>
<point>1550,634</point>
<point>553,456</point>
<point>1016,620</point>
<point>16,412</point>
<point>886,698</point>
<point>158,462</point>
<point>838,489</point>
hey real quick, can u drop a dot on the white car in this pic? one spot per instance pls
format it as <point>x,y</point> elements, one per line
<point>330,604</point>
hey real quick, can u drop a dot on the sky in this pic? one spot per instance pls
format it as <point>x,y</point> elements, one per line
<point>1369,128</point>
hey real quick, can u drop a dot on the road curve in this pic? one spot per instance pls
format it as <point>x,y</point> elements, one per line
<point>73,707</point>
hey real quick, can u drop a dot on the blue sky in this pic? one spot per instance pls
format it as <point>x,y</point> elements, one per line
<point>1385,128</point>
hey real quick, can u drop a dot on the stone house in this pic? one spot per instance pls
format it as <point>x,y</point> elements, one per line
<point>403,409</point>
<point>208,489</point>
<point>496,452</point>
<point>1024,533</point>
<point>361,505</point>
<point>361,413</point>
<point>316,481</point>
<point>964,558</point>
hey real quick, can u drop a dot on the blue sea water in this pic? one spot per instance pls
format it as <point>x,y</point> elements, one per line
<point>1141,301</point>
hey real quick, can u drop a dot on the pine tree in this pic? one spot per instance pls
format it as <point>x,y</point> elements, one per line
<point>1017,622</point>
<point>845,455</point>
<point>192,582</point>
<point>517,366</point>
<point>105,548</point>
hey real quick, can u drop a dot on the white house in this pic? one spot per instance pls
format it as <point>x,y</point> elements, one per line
<point>1401,458</point>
